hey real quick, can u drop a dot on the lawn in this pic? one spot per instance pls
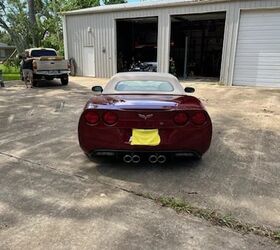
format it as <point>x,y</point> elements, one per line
<point>10,77</point>
<point>9,72</point>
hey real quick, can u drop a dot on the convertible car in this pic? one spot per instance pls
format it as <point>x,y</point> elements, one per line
<point>144,115</point>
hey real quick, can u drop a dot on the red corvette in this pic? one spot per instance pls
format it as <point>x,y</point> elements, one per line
<point>140,115</point>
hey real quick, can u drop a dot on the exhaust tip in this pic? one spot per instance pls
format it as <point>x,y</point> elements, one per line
<point>136,159</point>
<point>153,159</point>
<point>127,158</point>
<point>161,159</point>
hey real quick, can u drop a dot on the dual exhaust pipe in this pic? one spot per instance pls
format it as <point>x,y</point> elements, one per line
<point>157,159</point>
<point>131,159</point>
<point>152,159</point>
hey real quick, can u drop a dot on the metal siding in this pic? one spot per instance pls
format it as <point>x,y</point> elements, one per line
<point>103,25</point>
<point>258,51</point>
<point>163,42</point>
<point>65,42</point>
<point>232,33</point>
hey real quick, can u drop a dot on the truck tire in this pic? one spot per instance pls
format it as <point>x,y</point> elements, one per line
<point>34,83</point>
<point>64,80</point>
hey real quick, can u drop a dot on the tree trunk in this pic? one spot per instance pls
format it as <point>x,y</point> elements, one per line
<point>32,20</point>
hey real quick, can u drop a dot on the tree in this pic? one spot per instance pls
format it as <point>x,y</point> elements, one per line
<point>5,38</point>
<point>37,22</point>
<point>80,4</point>
<point>33,23</point>
<point>14,21</point>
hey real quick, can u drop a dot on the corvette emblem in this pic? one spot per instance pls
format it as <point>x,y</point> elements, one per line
<point>145,117</point>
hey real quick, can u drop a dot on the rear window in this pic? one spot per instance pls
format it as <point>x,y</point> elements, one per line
<point>42,52</point>
<point>144,86</point>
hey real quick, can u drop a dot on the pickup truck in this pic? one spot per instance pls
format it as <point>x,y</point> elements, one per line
<point>48,65</point>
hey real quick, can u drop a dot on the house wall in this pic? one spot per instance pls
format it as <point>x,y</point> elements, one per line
<point>5,52</point>
<point>102,34</point>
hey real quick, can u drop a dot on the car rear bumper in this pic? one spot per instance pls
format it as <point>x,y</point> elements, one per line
<point>180,140</point>
<point>121,153</point>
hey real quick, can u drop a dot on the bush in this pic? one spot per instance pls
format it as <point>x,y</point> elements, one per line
<point>9,69</point>
<point>9,72</point>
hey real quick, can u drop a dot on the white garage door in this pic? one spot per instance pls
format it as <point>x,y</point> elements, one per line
<point>257,61</point>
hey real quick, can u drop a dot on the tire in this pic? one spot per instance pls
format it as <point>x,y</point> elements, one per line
<point>64,80</point>
<point>34,83</point>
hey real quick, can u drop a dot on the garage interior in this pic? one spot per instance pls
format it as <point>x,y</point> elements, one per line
<point>196,45</point>
<point>136,42</point>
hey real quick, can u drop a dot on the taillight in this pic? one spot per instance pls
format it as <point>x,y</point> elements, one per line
<point>110,118</point>
<point>91,117</point>
<point>181,118</point>
<point>34,64</point>
<point>199,118</point>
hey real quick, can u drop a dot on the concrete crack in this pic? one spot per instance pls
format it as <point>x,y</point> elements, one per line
<point>179,205</point>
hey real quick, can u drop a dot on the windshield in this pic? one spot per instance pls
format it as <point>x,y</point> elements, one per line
<point>42,52</point>
<point>144,86</point>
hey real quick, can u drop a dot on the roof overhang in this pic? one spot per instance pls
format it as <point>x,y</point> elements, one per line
<point>7,47</point>
<point>139,6</point>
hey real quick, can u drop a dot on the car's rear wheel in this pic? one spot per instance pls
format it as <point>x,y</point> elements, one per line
<point>64,80</point>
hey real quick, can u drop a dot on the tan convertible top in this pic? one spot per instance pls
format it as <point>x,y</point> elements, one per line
<point>143,76</point>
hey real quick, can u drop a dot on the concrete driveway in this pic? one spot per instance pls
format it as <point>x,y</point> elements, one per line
<point>53,196</point>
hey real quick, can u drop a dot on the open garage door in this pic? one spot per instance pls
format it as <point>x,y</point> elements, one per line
<point>137,44</point>
<point>196,45</point>
<point>257,61</point>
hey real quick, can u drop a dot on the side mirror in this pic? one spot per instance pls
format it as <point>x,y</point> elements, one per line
<point>20,57</point>
<point>97,89</point>
<point>189,90</point>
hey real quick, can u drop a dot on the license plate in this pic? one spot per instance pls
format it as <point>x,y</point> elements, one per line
<point>145,137</point>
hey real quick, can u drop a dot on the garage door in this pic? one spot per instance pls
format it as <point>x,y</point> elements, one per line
<point>257,61</point>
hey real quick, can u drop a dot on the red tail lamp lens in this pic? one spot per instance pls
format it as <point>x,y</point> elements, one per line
<point>181,119</point>
<point>110,118</point>
<point>92,117</point>
<point>199,118</point>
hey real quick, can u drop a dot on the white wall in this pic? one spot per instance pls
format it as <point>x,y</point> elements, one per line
<point>103,33</point>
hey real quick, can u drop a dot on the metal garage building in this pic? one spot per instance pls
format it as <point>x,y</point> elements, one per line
<point>235,41</point>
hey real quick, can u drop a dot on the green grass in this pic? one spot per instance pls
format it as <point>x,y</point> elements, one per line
<point>218,219</point>
<point>11,77</point>
<point>9,72</point>
<point>9,69</point>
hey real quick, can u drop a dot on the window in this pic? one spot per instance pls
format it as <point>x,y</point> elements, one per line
<point>144,86</point>
<point>2,53</point>
<point>42,52</point>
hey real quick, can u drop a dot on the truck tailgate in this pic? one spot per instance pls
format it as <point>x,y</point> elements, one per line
<point>52,65</point>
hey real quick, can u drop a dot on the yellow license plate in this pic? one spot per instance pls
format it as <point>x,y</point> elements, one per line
<point>145,137</point>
